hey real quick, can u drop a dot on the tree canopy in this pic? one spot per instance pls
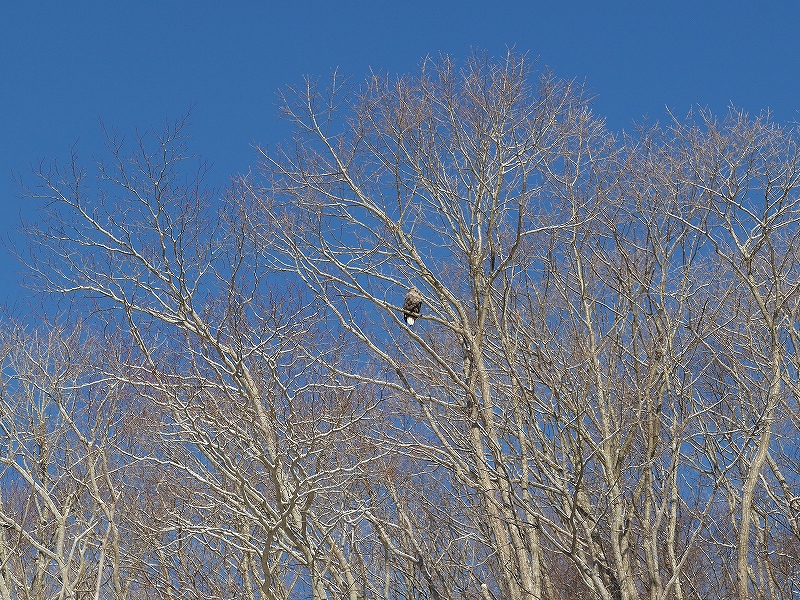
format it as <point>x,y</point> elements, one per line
<point>599,398</point>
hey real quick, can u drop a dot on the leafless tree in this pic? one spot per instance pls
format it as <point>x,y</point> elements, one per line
<point>597,399</point>
<point>63,498</point>
<point>574,361</point>
<point>746,172</point>
<point>228,357</point>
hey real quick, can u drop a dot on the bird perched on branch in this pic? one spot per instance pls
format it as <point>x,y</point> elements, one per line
<point>412,306</point>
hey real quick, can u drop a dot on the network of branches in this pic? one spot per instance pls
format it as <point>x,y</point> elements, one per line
<point>591,390</point>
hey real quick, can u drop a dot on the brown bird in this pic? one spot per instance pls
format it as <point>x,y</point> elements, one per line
<point>412,306</point>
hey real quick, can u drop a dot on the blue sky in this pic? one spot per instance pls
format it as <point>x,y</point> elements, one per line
<point>66,65</point>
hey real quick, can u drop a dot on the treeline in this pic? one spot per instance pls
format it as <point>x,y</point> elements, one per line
<point>599,399</point>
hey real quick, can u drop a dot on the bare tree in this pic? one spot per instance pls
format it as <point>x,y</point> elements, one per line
<point>746,173</point>
<point>597,398</point>
<point>571,367</point>
<point>447,182</point>
<point>63,494</point>
<point>226,356</point>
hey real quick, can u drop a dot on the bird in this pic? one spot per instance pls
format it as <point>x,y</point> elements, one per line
<point>412,306</point>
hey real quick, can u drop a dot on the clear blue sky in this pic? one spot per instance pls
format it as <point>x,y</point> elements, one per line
<point>66,65</point>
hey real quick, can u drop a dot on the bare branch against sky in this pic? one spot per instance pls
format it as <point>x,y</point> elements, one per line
<point>598,397</point>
